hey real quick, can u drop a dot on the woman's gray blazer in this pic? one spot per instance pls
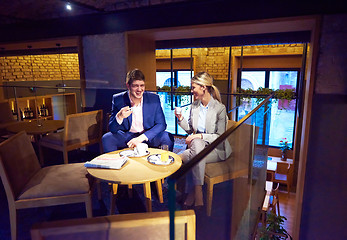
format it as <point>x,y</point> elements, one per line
<point>216,123</point>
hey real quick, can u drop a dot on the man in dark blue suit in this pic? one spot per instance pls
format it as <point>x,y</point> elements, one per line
<point>136,117</point>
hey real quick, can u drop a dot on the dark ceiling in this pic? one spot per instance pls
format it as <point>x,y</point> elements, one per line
<point>24,11</point>
<point>35,20</point>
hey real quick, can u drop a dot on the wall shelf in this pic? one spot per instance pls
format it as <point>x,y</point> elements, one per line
<point>54,107</point>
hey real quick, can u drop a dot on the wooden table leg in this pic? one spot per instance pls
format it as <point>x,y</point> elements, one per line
<point>114,189</point>
<point>98,188</point>
<point>159,190</point>
<point>148,196</point>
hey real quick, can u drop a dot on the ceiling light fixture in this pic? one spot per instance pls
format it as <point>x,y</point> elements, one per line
<point>68,6</point>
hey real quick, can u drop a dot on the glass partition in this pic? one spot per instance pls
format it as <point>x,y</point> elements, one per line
<point>234,188</point>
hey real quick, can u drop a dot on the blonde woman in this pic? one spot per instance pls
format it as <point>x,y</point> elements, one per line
<point>207,121</point>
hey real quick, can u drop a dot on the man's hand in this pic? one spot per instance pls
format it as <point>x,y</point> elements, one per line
<point>133,142</point>
<point>190,138</point>
<point>124,112</point>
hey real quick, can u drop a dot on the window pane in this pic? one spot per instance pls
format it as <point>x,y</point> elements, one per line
<point>283,79</point>
<point>165,99</point>
<point>282,112</point>
<point>281,123</point>
<point>163,79</point>
<point>252,79</point>
<point>183,78</point>
<point>185,99</point>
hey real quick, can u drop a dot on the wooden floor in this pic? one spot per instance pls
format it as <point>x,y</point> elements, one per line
<point>287,209</point>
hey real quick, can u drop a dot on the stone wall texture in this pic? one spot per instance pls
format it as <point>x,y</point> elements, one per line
<point>105,60</point>
<point>331,69</point>
<point>40,67</point>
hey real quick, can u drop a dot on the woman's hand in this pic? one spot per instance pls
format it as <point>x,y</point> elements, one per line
<point>179,116</point>
<point>190,138</point>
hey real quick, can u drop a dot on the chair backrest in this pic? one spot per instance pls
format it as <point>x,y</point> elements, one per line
<point>18,163</point>
<point>107,120</point>
<point>275,190</point>
<point>150,225</point>
<point>283,168</point>
<point>5,113</point>
<point>83,128</point>
<point>230,123</point>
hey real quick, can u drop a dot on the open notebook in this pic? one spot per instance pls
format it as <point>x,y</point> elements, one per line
<point>111,161</point>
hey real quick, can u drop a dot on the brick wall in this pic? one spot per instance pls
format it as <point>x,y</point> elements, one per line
<point>44,67</point>
<point>215,60</point>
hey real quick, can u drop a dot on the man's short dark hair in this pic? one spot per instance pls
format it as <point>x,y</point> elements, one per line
<point>133,75</point>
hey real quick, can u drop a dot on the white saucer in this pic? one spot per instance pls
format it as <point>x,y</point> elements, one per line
<point>131,153</point>
<point>155,159</point>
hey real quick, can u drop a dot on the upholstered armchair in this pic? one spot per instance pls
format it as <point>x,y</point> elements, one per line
<point>81,129</point>
<point>27,185</point>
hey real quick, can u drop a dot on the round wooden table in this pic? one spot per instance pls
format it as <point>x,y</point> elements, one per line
<point>137,170</point>
<point>36,128</point>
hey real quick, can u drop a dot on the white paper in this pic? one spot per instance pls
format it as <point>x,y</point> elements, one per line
<point>109,161</point>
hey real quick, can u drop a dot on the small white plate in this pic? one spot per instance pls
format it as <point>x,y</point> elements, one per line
<point>131,153</point>
<point>155,159</point>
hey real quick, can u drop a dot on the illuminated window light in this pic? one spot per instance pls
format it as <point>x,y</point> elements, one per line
<point>68,7</point>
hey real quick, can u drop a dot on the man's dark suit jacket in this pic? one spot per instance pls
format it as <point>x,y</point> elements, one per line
<point>153,115</point>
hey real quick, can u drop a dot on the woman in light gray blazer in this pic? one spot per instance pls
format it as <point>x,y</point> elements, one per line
<point>207,121</point>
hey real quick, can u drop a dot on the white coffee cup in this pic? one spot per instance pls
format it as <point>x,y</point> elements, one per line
<point>178,110</point>
<point>141,149</point>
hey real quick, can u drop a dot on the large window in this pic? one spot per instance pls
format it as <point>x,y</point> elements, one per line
<point>260,68</point>
<point>282,116</point>
<point>170,101</point>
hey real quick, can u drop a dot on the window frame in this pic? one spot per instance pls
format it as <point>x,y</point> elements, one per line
<point>267,81</point>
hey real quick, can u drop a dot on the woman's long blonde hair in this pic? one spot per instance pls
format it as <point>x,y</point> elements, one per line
<point>205,79</point>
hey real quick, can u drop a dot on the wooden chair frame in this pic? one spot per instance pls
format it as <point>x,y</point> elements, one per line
<point>275,204</point>
<point>283,169</point>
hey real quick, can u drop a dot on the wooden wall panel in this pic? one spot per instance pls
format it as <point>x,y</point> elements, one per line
<point>141,55</point>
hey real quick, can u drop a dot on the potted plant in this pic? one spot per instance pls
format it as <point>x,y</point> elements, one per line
<point>284,146</point>
<point>165,88</point>
<point>261,93</point>
<point>274,229</point>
